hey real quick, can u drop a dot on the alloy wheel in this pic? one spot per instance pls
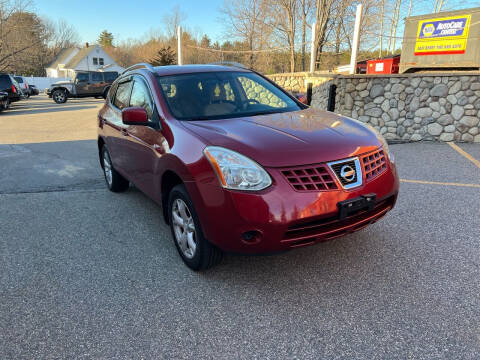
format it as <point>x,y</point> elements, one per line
<point>59,96</point>
<point>184,228</point>
<point>107,168</point>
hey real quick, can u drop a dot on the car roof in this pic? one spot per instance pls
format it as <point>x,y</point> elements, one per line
<point>189,69</point>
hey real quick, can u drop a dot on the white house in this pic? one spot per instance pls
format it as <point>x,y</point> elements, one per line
<point>89,58</point>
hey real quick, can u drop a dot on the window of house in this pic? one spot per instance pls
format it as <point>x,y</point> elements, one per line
<point>95,61</point>
<point>122,96</point>
<point>100,60</point>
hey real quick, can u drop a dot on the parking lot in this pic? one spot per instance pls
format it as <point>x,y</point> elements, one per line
<point>86,273</point>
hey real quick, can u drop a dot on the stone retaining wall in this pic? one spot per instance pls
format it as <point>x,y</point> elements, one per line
<point>414,108</point>
<point>408,107</point>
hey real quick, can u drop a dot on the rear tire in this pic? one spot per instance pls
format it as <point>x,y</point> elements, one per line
<point>196,251</point>
<point>115,181</point>
<point>59,96</point>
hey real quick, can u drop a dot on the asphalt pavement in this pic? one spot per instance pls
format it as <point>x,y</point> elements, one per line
<point>89,274</point>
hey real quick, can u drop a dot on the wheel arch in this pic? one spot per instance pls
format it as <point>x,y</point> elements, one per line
<point>61,88</point>
<point>169,180</point>
<point>100,143</point>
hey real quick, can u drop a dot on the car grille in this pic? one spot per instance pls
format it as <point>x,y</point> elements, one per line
<point>338,168</point>
<point>374,164</point>
<point>309,178</point>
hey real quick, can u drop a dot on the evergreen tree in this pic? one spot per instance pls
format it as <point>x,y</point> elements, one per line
<point>165,56</point>
<point>105,39</point>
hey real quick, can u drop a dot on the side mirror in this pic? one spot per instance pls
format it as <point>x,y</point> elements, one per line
<point>134,116</point>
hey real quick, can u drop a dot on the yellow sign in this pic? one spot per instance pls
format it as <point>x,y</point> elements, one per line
<point>441,36</point>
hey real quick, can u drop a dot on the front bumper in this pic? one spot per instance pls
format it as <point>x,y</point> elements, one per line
<point>282,218</point>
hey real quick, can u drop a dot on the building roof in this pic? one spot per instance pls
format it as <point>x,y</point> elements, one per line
<point>64,53</point>
<point>79,56</point>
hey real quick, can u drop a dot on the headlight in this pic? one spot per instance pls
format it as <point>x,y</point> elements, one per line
<point>235,171</point>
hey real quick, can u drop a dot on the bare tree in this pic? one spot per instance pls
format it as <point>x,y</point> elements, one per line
<point>246,20</point>
<point>306,8</point>
<point>173,20</point>
<point>286,25</point>
<point>323,11</point>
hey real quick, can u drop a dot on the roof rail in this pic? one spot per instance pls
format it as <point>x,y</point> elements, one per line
<point>138,66</point>
<point>229,63</point>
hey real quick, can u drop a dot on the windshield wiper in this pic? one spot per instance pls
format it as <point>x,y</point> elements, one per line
<point>265,112</point>
<point>199,118</point>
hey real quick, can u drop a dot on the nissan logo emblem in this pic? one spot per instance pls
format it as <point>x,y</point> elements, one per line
<point>347,173</point>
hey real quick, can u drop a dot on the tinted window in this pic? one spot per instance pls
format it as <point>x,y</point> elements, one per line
<point>141,97</point>
<point>95,61</point>
<point>122,95</point>
<point>100,60</point>
<point>19,79</point>
<point>97,77</point>
<point>82,77</point>
<point>110,76</point>
<point>223,95</point>
<point>111,92</point>
<point>5,81</point>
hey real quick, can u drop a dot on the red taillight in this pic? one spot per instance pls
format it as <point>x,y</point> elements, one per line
<point>14,90</point>
<point>26,85</point>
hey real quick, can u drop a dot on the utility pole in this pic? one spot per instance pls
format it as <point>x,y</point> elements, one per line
<point>356,37</point>
<point>179,46</point>
<point>313,50</point>
<point>382,15</point>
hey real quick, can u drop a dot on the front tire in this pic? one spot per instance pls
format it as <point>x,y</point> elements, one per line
<point>196,251</point>
<point>59,96</point>
<point>115,181</point>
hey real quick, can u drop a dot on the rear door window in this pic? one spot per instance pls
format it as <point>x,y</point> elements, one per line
<point>141,97</point>
<point>111,92</point>
<point>110,76</point>
<point>5,82</point>
<point>122,96</point>
<point>97,77</point>
<point>19,79</point>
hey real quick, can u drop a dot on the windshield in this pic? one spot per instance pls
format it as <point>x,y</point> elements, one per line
<point>220,95</point>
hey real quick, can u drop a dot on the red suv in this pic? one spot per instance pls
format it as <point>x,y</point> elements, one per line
<point>238,164</point>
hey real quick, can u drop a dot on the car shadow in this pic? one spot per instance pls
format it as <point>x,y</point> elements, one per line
<point>346,256</point>
<point>32,111</point>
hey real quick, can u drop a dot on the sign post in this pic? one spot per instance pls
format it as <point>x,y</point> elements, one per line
<point>356,37</point>
<point>179,46</point>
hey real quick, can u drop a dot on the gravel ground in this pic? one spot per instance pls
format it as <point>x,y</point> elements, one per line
<point>85,273</point>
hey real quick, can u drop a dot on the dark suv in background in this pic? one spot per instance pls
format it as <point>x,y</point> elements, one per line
<point>84,84</point>
<point>10,86</point>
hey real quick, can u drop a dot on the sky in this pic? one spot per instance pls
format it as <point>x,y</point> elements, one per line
<point>131,19</point>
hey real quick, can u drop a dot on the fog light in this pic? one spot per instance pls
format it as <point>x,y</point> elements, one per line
<point>252,237</point>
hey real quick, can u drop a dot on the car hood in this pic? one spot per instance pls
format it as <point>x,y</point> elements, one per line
<point>292,138</point>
